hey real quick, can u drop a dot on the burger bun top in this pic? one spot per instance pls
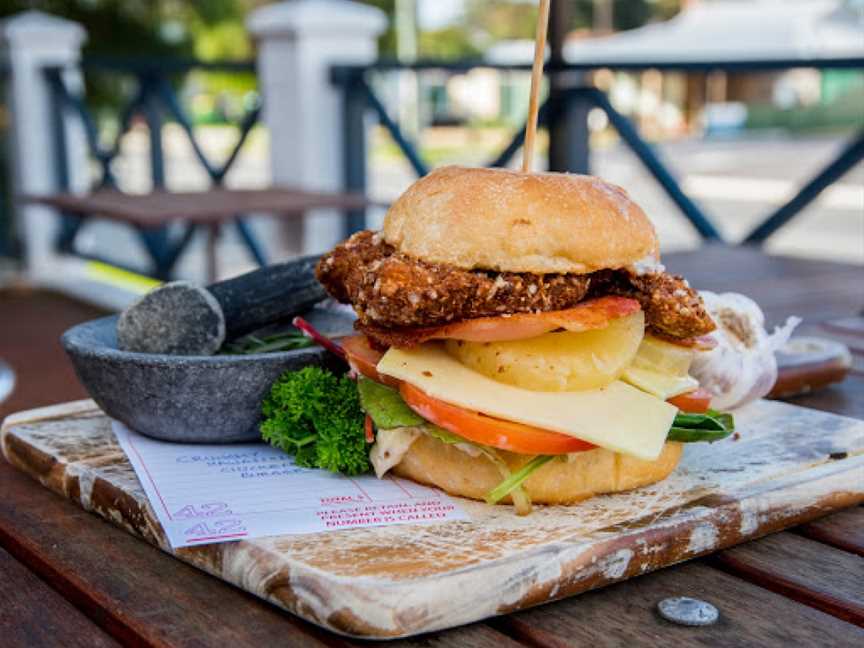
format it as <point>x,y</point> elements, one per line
<point>509,221</point>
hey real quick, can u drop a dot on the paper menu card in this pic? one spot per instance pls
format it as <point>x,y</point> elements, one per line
<point>219,493</point>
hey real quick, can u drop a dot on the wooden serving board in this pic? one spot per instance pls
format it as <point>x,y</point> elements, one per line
<point>789,465</point>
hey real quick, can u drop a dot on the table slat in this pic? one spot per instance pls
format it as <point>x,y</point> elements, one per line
<point>57,621</point>
<point>843,530</point>
<point>782,286</point>
<point>31,322</point>
<point>804,570</point>
<point>140,594</point>
<point>739,267</point>
<point>625,615</point>
<point>478,635</point>
<point>853,326</point>
<point>132,590</point>
<point>843,398</point>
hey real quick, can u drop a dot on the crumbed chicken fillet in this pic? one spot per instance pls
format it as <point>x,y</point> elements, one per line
<point>672,308</point>
<point>394,294</point>
<point>392,289</point>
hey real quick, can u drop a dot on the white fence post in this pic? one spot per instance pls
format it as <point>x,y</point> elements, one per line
<point>298,42</point>
<point>29,42</point>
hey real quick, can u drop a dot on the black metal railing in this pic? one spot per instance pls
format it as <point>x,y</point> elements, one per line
<point>155,100</point>
<point>567,104</point>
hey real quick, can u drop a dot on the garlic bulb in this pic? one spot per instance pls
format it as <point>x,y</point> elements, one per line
<point>742,367</point>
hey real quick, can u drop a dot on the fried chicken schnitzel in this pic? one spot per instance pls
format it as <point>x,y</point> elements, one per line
<point>393,293</point>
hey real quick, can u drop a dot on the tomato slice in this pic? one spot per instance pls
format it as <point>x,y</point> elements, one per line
<point>369,429</point>
<point>487,430</point>
<point>697,401</point>
<point>591,314</point>
<point>363,359</point>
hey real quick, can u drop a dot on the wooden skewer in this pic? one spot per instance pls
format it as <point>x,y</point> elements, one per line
<point>536,80</point>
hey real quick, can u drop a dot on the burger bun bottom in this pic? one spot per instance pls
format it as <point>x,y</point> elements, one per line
<point>578,477</point>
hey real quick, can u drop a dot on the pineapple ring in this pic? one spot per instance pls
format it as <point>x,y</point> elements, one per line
<point>562,361</point>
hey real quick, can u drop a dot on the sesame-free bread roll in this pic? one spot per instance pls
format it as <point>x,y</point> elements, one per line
<point>509,221</point>
<point>583,475</point>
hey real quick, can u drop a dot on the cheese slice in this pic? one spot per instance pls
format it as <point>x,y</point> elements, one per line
<point>618,417</point>
<point>661,385</point>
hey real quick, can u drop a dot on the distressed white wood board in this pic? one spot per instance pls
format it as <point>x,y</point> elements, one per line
<point>790,465</point>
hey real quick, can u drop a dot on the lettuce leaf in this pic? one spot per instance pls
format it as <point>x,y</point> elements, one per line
<point>710,426</point>
<point>385,406</point>
<point>445,436</point>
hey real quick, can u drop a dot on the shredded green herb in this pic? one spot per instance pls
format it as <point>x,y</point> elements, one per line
<point>250,344</point>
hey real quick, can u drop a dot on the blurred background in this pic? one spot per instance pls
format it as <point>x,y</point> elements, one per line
<point>727,113</point>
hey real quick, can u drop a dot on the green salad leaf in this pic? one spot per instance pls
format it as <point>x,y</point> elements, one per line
<point>515,479</point>
<point>385,406</point>
<point>710,426</point>
<point>512,482</point>
<point>445,436</point>
<point>315,415</point>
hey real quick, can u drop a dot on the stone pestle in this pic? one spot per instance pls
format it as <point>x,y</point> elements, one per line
<point>179,318</point>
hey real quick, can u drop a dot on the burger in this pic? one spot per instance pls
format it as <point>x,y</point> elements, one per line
<point>519,341</point>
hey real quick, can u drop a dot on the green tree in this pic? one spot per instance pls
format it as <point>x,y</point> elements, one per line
<point>629,14</point>
<point>447,43</point>
<point>485,22</point>
<point>209,28</point>
<point>116,27</point>
<point>156,29</point>
<point>387,41</point>
<point>499,20</point>
<point>626,14</point>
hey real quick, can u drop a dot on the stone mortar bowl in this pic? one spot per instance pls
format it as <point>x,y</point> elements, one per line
<point>188,399</point>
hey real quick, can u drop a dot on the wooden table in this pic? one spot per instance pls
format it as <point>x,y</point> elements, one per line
<point>71,579</point>
<point>210,210</point>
